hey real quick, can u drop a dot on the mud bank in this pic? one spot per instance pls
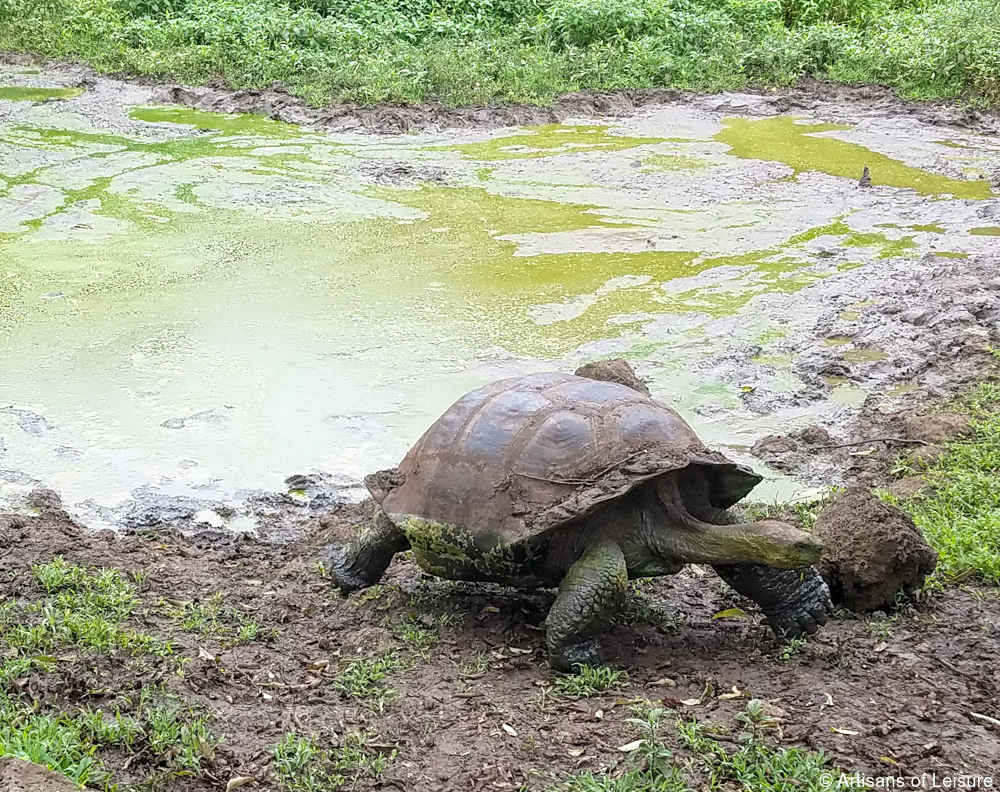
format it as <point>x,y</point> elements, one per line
<point>891,697</point>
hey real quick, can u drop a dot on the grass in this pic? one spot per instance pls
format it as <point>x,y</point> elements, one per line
<point>468,52</point>
<point>588,681</point>
<point>652,766</point>
<point>71,623</point>
<point>303,764</point>
<point>209,619</point>
<point>960,515</point>
<point>364,679</point>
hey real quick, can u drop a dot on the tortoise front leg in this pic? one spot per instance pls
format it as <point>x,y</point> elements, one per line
<point>588,595</point>
<point>363,561</point>
<point>795,603</point>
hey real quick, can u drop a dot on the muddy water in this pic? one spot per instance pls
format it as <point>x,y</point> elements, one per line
<point>196,304</point>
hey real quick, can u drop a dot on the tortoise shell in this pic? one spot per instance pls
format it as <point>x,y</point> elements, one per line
<point>521,456</point>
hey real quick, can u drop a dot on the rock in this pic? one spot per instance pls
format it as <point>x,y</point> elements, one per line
<point>937,427</point>
<point>45,499</point>
<point>814,435</point>
<point>16,775</point>
<point>925,455</point>
<point>872,550</point>
<point>774,446</point>
<point>613,370</point>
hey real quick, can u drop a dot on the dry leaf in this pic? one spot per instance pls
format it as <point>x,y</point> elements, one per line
<point>239,781</point>
<point>629,747</point>
<point>731,613</point>
<point>509,729</point>
<point>599,714</point>
<point>737,693</point>
<point>664,682</point>
<point>266,696</point>
<point>204,654</point>
<point>845,731</point>
<point>690,702</point>
<point>575,751</point>
<point>869,452</point>
<point>881,646</point>
<point>985,718</point>
<point>515,651</point>
<point>205,749</point>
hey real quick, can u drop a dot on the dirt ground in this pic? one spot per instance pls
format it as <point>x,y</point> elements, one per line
<point>882,697</point>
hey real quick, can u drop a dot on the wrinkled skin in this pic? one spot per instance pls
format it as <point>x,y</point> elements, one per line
<point>654,530</point>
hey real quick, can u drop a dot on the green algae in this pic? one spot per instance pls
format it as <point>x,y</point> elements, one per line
<point>16,93</point>
<point>547,141</point>
<point>834,341</point>
<point>229,124</point>
<point>950,254</point>
<point>666,163</point>
<point>783,139</point>
<point>864,355</point>
<point>985,231</point>
<point>931,228</point>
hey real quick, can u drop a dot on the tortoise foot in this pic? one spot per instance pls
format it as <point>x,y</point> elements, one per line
<point>345,577</point>
<point>804,612</point>
<point>568,658</point>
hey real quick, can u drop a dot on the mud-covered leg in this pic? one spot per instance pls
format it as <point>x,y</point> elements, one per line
<point>363,561</point>
<point>795,602</point>
<point>588,596</point>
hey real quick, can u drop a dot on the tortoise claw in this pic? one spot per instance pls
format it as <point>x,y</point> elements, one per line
<point>569,658</point>
<point>803,615</point>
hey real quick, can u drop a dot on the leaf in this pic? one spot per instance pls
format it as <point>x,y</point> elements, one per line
<point>509,729</point>
<point>629,747</point>
<point>845,731</point>
<point>731,613</point>
<point>204,654</point>
<point>737,693</point>
<point>664,682</point>
<point>690,702</point>
<point>239,781</point>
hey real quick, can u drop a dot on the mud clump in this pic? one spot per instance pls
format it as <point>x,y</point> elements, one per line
<point>16,775</point>
<point>938,427</point>
<point>614,370</point>
<point>872,550</point>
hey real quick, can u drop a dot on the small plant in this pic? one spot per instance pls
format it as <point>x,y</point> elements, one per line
<point>364,679</point>
<point>302,764</point>
<point>588,681</point>
<point>790,648</point>
<point>475,664</point>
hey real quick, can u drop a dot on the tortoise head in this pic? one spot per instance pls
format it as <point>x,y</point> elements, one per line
<point>682,536</point>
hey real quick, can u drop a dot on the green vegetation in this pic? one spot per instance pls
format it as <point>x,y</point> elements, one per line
<point>653,767</point>
<point>302,764</point>
<point>230,626</point>
<point>70,625</point>
<point>960,515</point>
<point>588,681</point>
<point>481,51</point>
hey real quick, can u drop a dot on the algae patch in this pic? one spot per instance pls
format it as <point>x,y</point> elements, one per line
<point>985,231</point>
<point>547,141</point>
<point>17,93</point>
<point>801,147</point>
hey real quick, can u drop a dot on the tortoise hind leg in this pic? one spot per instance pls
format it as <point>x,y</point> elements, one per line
<point>588,596</point>
<point>363,561</point>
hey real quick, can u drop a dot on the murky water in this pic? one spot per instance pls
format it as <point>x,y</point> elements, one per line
<point>208,303</point>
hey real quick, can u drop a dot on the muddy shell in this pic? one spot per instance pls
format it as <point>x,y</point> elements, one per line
<point>521,456</point>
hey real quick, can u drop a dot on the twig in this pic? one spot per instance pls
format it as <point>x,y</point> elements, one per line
<point>875,440</point>
<point>985,718</point>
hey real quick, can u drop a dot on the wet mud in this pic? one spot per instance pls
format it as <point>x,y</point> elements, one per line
<point>891,699</point>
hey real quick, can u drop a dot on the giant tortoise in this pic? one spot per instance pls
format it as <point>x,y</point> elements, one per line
<point>561,480</point>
